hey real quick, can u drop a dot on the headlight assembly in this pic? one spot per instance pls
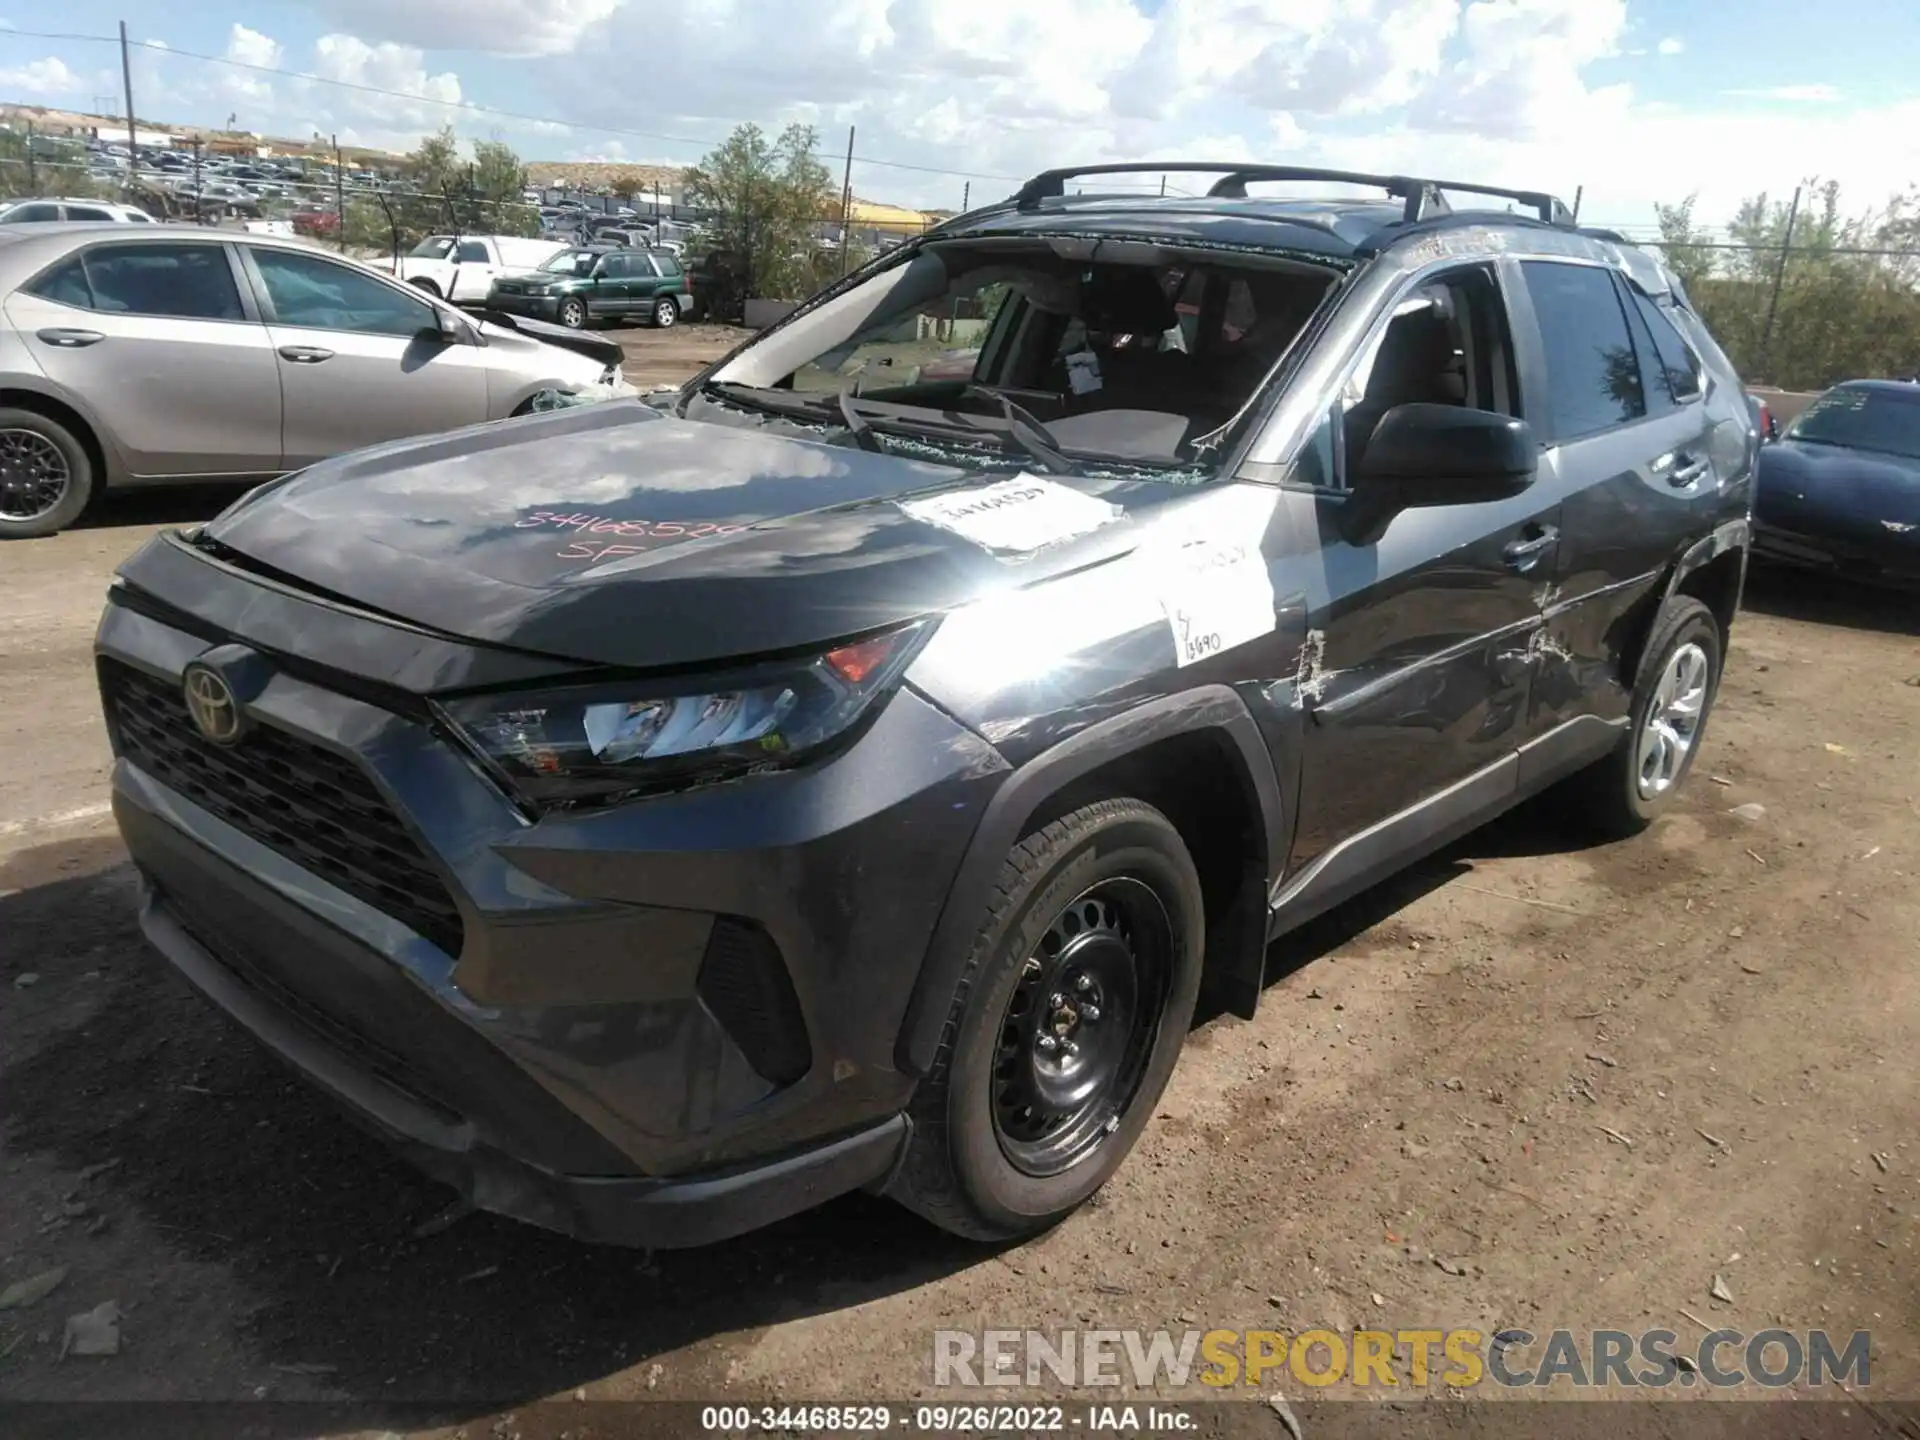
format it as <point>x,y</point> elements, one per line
<point>599,743</point>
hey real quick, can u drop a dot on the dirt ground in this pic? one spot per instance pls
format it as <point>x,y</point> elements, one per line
<point>1590,1080</point>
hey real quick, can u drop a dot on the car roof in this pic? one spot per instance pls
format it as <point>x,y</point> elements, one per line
<point>25,249</point>
<point>1899,387</point>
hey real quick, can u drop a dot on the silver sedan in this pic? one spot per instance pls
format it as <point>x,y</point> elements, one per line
<point>182,354</point>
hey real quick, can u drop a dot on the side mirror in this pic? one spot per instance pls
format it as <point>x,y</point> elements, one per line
<point>448,329</point>
<point>1423,455</point>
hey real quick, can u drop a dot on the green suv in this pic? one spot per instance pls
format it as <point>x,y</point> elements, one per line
<point>592,282</point>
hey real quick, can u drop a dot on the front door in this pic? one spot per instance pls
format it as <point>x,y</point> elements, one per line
<point>611,278</point>
<point>361,360</point>
<point>154,333</point>
<point>1422,632</point>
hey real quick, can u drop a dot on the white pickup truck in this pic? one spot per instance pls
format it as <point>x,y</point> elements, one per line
<point>464,267</point>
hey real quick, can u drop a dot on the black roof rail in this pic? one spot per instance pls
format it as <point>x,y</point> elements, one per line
<point>1422,197</point>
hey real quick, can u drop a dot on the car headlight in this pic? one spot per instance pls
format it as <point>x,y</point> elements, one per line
<point>600,743</point>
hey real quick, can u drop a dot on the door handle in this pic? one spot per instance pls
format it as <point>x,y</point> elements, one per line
<point>304,354</point>
<point>1686,473</point>
<point>1523,555</point>
<point>70,339</point>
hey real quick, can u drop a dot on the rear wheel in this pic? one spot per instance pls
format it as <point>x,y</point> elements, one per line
<point>1067,1022</point>
<point>46,475</point>
<point>573,313</point>
<point>1672,698</point>
<point>666,310</point>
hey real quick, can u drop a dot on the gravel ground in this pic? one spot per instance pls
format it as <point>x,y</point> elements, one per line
<point>1589,1080</point>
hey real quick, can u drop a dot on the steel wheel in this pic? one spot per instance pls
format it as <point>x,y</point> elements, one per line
<point>1673,720</point>
<point>665,312</point>
<point>34,475</point>
<point>573,314</point>
<point>1080,1026</point>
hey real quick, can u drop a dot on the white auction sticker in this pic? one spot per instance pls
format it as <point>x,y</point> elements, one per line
<point>1216,594</point>
<point>1017,516</point>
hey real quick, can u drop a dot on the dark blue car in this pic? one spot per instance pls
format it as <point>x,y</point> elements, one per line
<point>1841,491</point>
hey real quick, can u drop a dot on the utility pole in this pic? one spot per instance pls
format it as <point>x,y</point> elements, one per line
<point>198,217</point>
<point>846,202</point>
<point>1163,187</point>
<point>339,196</point>
<point>1578,191</point>
<point>33,180</point>
<point>126,81</point>
<point>966,196</point>
<point>1779,277</point>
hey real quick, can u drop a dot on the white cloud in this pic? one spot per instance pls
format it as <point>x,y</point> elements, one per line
<point>48,76</point>
<point>502,27</point>
<point>1672,45</point>
<point>1790,94</point>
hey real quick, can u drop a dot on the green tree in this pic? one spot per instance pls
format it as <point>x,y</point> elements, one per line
<point>766,198</point>
<point>436,190</point>
<point>1849,286</point>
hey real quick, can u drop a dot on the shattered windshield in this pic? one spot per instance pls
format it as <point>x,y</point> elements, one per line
<point>1131,358</point>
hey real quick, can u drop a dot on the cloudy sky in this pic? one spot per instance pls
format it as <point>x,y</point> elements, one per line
<point>1636,100</point>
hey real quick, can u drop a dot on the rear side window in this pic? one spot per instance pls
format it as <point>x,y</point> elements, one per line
<point>1593,372</point>
<point>65,284</point>
<point>87,212</point>
<point>472,252</point>
<point>1679,368</point>
<point>182,282</point>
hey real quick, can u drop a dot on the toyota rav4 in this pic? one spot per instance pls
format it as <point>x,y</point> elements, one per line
<point>851,769</point>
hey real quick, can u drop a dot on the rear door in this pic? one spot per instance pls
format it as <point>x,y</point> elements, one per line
<point>1626,433</point>
<point>160,339</point>
<point>361,359</point>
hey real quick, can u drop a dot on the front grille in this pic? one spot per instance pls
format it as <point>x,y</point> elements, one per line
<point>317,808</point>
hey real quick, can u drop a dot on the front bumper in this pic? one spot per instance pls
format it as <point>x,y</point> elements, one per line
<point>536,307</point>
<point>1893,562</point>
<point>603,1040</point>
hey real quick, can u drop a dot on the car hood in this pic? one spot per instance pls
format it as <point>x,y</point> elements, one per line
<point>614,534</point>
<point>1833,486</point>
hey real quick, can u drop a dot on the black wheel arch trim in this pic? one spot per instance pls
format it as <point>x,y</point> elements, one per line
<point>1734,534</point>
<point>1020,796</point>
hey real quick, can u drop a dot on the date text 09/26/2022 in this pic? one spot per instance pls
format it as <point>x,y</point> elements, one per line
<point>945,1419</point>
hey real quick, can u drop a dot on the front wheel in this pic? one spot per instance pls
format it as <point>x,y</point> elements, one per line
<point>427,285</point>
<point>665,312</point>
<point>1672,697</point>
<point>573,313</point>
<point>1066,1024</point>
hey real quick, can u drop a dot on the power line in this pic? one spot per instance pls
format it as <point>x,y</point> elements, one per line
<point>472,107</point>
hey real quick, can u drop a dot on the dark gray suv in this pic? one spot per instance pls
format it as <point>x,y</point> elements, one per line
<point>657,820</point>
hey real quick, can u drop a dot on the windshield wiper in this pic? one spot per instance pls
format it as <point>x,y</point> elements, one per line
<point>1028,433</point>
<point>857,427</point>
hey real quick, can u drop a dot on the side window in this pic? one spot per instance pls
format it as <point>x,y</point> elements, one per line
<point>1448,343</point>
<point>666,265</point>
<point>1677,363</point>
<point>87,212</point>
<point>1593,373</point>
<point>186,282</point>
<point>472,252</point>
<point>313,293</point>
<point>1318,463</point>
<point>65,284</point>
<point>25,213</point>
<point>613,267</point>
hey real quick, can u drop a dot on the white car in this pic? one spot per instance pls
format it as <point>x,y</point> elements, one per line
<point>28,212</point>
<point>464,267</point>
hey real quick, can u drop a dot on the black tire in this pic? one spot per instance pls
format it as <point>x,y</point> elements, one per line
<point>426,285</point>
<point>25,436</point>
<point>960,1171</point>
<point>573,313</point>
<point>666,311</point>
<point>1613,795</point>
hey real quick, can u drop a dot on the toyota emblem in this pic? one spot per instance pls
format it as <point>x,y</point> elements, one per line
<point>211,704</point>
